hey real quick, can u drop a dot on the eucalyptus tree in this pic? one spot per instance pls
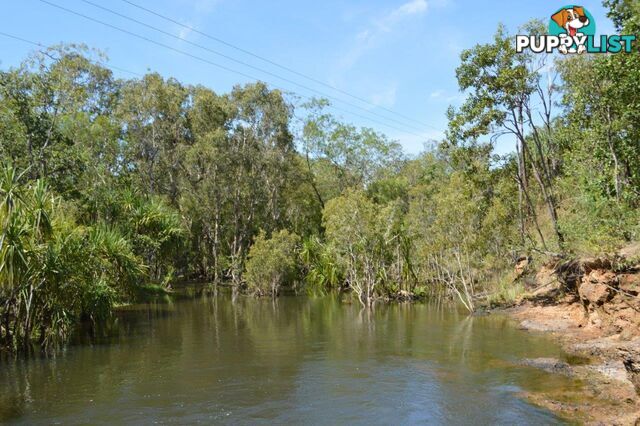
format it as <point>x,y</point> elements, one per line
<point>53,109</point>
<point>461,220</point>
<point>368,245</point>
<point>260,147</point>
<point>241,174</point>
<point>152,113</point>
<point>512,93</point>
<point>205,181</point>
<point>341,156</point>
<point>600,134</point>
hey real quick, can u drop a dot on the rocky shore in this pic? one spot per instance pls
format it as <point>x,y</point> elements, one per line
<point>592,306</point>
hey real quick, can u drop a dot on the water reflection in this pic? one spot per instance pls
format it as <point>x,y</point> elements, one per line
<point>241,360</point>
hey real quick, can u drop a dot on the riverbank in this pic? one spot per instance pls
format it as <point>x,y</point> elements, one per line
<point>592,307</point>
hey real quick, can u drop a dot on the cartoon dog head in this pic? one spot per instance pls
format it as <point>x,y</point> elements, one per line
<point>571,19</point>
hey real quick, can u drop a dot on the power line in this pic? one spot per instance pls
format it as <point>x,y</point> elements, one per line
<point>177,50</point>
<point>104,64</point>
<point>21,39</point>
<point>302,86</point>
<point>199,58</point>
<point>283,67</point>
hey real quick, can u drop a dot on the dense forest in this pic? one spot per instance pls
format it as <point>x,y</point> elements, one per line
<point>111,186</point>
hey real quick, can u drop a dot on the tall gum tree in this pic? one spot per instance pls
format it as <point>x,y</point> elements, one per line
<point>510,93</point>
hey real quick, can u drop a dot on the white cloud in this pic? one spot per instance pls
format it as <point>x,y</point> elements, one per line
<point>205,6</point>
<point>184,32</point>
<point>386,98</point>
<point>199,9</point>
<point>367,38</point>
<point>414,7</point>
<point>443,95</point>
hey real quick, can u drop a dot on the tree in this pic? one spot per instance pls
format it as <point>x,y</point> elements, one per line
<point>272,262</point>
<point>238,174</point>
<point>460,220</point>
<point>505,89</point>
<point>599,133</point>
<point>340,156</point>
<point>152,112</point>
<point>367,242</point>
<point>53,110</point>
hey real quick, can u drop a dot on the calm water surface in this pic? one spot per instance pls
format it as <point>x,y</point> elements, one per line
<point>295,361</point>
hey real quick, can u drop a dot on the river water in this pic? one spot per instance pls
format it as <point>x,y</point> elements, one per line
<point>297,360</point>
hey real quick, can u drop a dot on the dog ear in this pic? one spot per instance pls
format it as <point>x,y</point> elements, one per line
<point>560,18</point>
<point>579,10</point>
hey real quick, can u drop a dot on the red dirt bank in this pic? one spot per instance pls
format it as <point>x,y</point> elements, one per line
<point>592,306</point>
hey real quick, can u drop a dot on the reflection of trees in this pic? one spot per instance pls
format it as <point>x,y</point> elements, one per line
<point>216,355</point>
<point>208,352</point>
<point>461,338</point>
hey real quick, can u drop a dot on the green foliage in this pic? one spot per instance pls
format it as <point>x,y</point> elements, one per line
<point>340,156</point>
<point>461,222</point>
<point>508,96</point>
<point>43,103</point>
<point>272,262</point>
<point>505,292</point>
<point>625,14</point>
<point>110,186</point>
<point>600,134</point>
<point>52,271</point>
<point>369,245</point>
<point>322,272</point>
<point>498,79</point>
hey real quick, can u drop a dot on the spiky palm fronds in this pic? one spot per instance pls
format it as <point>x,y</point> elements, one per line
<point>52,270</point>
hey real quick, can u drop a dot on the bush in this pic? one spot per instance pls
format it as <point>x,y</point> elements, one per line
<point>53,271</point>
<point>272,263</point>
<point>369,245</point>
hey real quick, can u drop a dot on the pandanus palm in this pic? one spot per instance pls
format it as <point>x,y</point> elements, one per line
<point>14,231</point>
<point>14,244</point>
<point>158,233</point>
<point>53,271</point>
<point>322,272</point>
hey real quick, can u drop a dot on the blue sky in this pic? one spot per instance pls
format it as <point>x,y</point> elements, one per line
<point>397,54</point>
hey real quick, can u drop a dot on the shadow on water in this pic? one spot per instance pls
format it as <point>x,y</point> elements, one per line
<point>209,355</point>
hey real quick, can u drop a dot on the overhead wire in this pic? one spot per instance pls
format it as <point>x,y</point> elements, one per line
<point>271,62</point>
<point>221,66</point>
<point>246,64</point>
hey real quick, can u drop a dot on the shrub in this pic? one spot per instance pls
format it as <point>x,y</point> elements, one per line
<point>271,262</point>
<point>53,272</point>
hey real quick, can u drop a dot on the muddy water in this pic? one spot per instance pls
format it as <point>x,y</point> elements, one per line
<point>299,360</point>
